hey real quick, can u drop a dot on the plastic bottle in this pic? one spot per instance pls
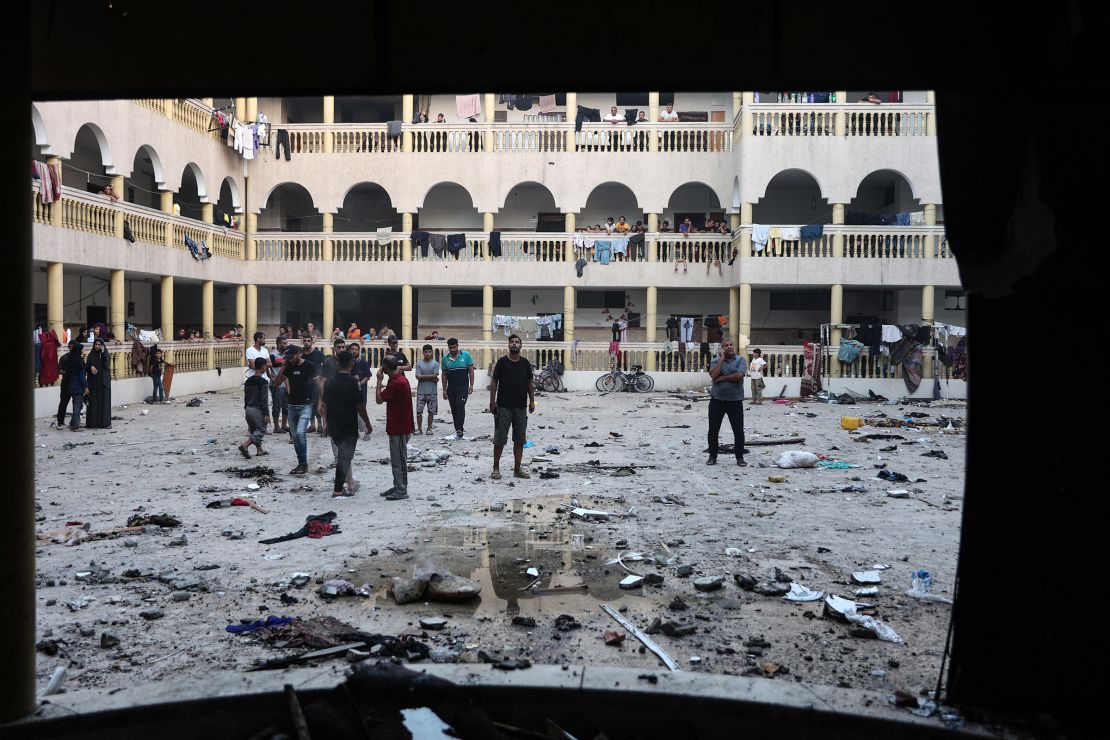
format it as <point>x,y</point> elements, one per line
<point>924,576</point>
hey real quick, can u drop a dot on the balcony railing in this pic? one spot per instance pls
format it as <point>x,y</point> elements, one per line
<point>887,242</point>
<point>189,112</point>
<point>819,119</point>
<point>96,214</point>
<point>186,357</point>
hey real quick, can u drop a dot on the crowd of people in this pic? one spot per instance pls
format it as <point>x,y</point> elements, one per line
<point>636,246</point>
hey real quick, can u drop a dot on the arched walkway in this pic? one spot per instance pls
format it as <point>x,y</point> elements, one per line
<point>366,207</point>
<point>880,197</point>
<point>448,205</point>
<point>610,199</point>
<point>792,197</point>
<point>528,207</point>
<point>289,208</point>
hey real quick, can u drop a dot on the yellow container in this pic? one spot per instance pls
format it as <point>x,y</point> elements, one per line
<point>850,422</point>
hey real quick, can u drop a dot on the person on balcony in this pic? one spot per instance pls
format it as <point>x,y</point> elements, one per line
<point>353,332</point>
<point>112,196</point>
<point>310,330</point>
<point>665,227</point>
<point>613,116</point>
<point>668,115</point>
<point>682,248</point>
<point>337,333</point>
<point>622,226</point>
<point>609,225</point>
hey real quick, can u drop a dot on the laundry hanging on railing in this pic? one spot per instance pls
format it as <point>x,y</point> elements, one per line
<point>811,232</point>
<point>547,104</point>
<point>585,115</point>
<point>439,244</point>
<point>50,181</point>
<point>392,129</point>
<point>421,239</point>
<point>790,233</point>
<point>527,324</point>
<point>456,243</point>
<point>604,249</point>
<point>494,244</point>
<point>760,235</point>
<point>891,333</point>
<point>468,106</point>
<point>385,236</point>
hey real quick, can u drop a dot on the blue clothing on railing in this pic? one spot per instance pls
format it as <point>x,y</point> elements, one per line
<point>620,246</point>
<point>495,243</point>
<point>420,239</point>
<point>902,219</point>
<point>456,243</point>
<point>603,249</point>
<point>811,232</point>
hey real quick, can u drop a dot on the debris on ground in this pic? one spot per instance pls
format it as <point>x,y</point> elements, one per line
<point>796,459</point>
<point>261,474</point>
<point>237,501</point>
<point>335,588</point>
<point>195,402</point>
<point>81,534</point>
<point>162,520</point>
<point>642,637</point>
<point>855,613</point>
<point>316,526</point>
<point>798,592</point>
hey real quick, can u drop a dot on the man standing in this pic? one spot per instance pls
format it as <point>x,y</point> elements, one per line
<point>301,375</point>
<point>341,406</point>
<point>279,393</point>
<point>512,380</point>
<point>256,350</point>
<point>397,354</point>
<point>458,383</point>
<point>727,398</point>
<point>397,396</point>
<point>310,331</point>
<point>427,376</point>
<point>755,372</point>
<point>315,357</point>
<point>255,407</point>
<point>71,366</point>
<point>361,372</point>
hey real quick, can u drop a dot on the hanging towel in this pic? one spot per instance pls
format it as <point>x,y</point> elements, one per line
<point>456,243</point>
<point>547,103</point>
<point>811,232</point>
<point>619,246</point>
<point>630,115</point>
<point>385,236</point>
<point>495,243</point>
<point>528,326</point>
<point>891,333</point>
<point>468,106</point>
<point>604,250</point>
<point>790,233</point>
<point>760,235</point>
<point>586,114</point>
<point>917,218</point>
<point>393,129</point>
<point>439,244</point>
<point>614,347</point>
<point>850,349</point>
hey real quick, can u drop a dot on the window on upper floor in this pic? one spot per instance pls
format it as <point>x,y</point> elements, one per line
<point>800,300</point>
<point>955,300</point>
<point>601,299</point>
<point>473,298</point>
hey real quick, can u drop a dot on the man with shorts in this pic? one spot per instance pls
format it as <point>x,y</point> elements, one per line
<point>427,378</point>
<point>458,383</point>
<point>511,383</point>
<point>755,372</point>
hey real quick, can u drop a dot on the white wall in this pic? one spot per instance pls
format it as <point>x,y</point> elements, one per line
<point>689,101</point>
<point>449,207</point>
<point>521,206</point>
<point>134,390</point>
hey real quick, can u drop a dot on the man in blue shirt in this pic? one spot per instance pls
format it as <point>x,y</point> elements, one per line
<point>727,398</point>
<point>458,382</point>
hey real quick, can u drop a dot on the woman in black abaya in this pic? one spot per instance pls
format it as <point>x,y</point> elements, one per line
<point>99,375</point>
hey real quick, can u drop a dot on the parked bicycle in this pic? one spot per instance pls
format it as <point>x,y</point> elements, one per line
<point>616,380</point>
<point>548,379</point>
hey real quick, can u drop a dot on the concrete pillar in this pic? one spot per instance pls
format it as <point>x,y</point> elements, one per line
<point>250,326</point>
<point>568,318</point>
<point>572,113</point>
<point>746,236</point>
<point>167,308</point>
<point>734,315</point>
<point>406,312</point>
<point>652,245</point>
<point>55,306</point>
<point>327,323</point>
<point>240,108</point>
<point>928,308</point>
<point>117,217</point>
<point>488,102</point>
<point>207,317</point>
<point>252,110</point>
<point>838,237</point>
<point>930,241</point>
<point>329,245</point>
<point>241,304</point>
<point>747,115</point>
<point>487,323</point>
<point>167,107</point>
<point>487,226</point>
<point>329,118</point>
<point>652,322</point>
<point>210,102</point>
<point>836,316</point>
<point>568,248</point>
<point>166,206</point>
<point>56,206</point>
<point>840,118</point>
<point>931,116</point>
<point>250,225</point>
<point>207,213</point>
<point>744,311</point>
<point>406,230</point>
<point>117,316</point>
<point>653,116</point>
<point>406,118</point>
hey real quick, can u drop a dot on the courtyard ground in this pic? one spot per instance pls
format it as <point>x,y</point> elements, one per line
<point>153,604</point>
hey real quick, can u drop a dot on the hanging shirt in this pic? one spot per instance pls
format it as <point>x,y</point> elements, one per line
<point>385,236</point>
<point>760,235</point>
<point>790,233</point>
<point>891,333</point>
<point>468,106</point>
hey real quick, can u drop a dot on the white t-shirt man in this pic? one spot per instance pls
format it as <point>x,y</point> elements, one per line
<point>614,117</point>
<point>755,368</point>
<point>668,115</point>
<point>253,353</point>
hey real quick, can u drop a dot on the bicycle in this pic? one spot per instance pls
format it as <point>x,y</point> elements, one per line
<point>616,380</point>
<point>548,379</point>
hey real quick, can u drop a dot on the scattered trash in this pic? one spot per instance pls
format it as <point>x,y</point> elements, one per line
<point>799,592</point>
<point>898,493</point>
<point>771,588</point>
<point>853,488</point>
<point>796,459</point>
<point>866,577</point>
<point>335,588</point>
<point>849,611</point>
<point>566,623</point>
<point>867,591</point>
<point>612,637</point>
<point>920,584</point>
<point>851,422</point>
<point>935,453</point>
<point>777,478</point>
<point>532,572</point>
<point>591,514</point>
<point>642,637</point>
<point>630,582</point>
<point>316,526</point>
<point>770,442</point>
<point>274,555</point>
<point>835,465</point>
<point>247,627</point>
<point>162,520</point>
<point>195,402</point>
<point>55,682</point>
<point>734,552</point>
<point>893,477</point>
<point>746,582</point>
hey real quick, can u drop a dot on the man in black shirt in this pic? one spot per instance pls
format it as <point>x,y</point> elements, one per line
<point>314,356</point>
<point>341,405</point>
<point>397,354</point>
<point>512,381</point>
<point>301,375</point>
<point>256,391</point>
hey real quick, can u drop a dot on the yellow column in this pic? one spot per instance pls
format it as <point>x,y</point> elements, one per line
<point>488,101</point>
<point>572,113</point>
<point>206,213</point>
<point>56,206</point>
<point>241,304</point>
<point>931,116</point>
<point>207,317</point>
<point>252,110</point>
<point>328,322</point>
<point>734,315</point>
<point>329,118</point>
<point>406,230</point>
<point>653,116</point>
<point>406,312</point>
<point>167,308</point>
<point>329,245</point>
<point>568,248</point>
<point>746,237</point>
<point>251,324</point>
<point>167,107</point>
<point>210,102</point>
<point>744,311</point>
<point>250,225</point>
<point>487,321</point>
<point>487,226</point>
<point>836,316</point>
<point>118,316</point>
<point>568,320</point>
<point>928,304</point>
<point>406,118</point>
<point>652,245</point>
<point>652,321</point>
<point>240,109</point>
<point>747,116</point>
<point>117,216</point>
<point>838,237</point>
<point>840,118</point>
<point>930,242</point>
<point>55,306</point>
<point>166,206</point>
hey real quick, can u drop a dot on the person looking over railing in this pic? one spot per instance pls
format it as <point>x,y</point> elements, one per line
<point>613,116</point>
<point>665,227</point>
<point>111,193</point>
<point>622,226</point>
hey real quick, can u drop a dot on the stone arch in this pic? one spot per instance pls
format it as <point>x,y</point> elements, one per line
<point>449,205</point>
<point>192,193</point>
<point>231,188</point>
<point>155,162</point>
<point>39,126</point>
<point>610,199</point>
<point>522,205</point>
<point>884,190</point>
<point>289,207</point>
<point>83,157</point>
<point>789,172</point>
<point>366,206</point>
<point>793,196</point>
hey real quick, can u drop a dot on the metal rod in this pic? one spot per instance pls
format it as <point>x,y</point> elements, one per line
<point>642,637</point>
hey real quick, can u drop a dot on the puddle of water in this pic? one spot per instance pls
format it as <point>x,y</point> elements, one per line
<point>572,572</point>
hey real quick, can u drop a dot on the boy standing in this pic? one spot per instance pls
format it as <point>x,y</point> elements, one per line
<point>755,372</point>
<point>397,396</point>
<point>256,391</point>
<point>427,376</point>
